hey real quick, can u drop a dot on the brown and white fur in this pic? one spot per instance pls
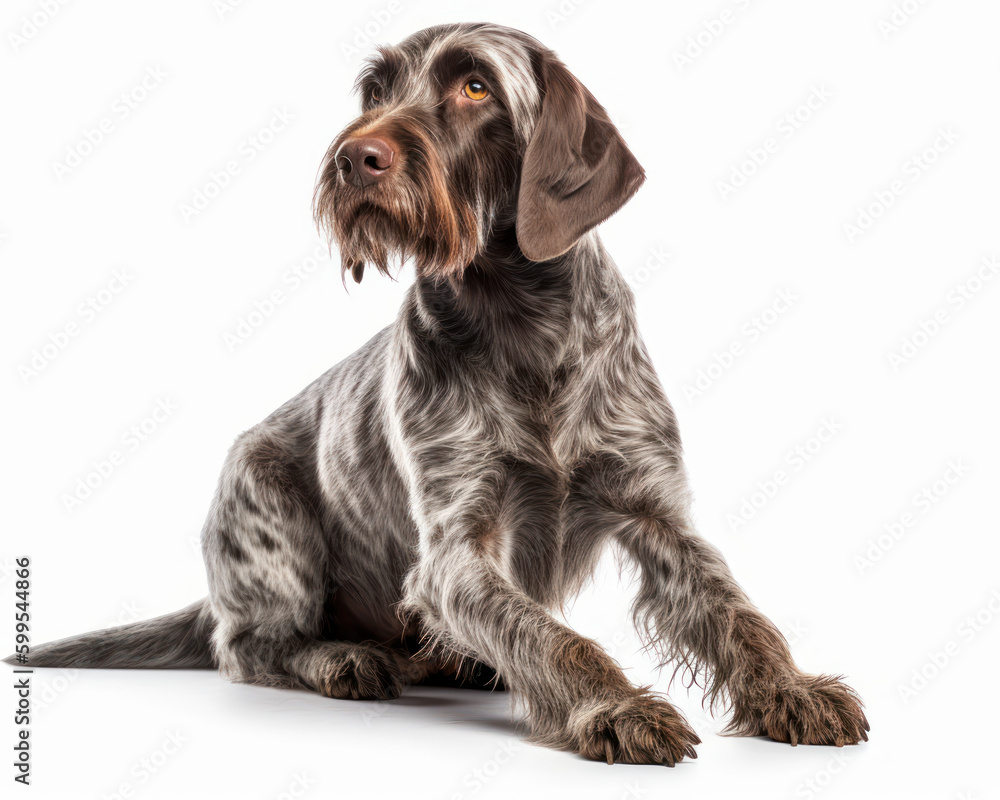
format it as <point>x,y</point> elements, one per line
<point>431,498</point>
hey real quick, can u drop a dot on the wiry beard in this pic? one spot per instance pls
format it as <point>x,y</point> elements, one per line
<point>410,214</point>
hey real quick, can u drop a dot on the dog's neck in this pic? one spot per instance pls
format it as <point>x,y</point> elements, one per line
<point>513,315</point>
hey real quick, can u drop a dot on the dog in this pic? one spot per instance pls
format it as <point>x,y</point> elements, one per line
<point>416,513</point>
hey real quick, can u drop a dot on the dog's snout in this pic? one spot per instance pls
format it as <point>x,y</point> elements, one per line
<point>364,160</point>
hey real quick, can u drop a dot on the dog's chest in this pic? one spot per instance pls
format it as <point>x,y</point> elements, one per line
<point>551,422</point>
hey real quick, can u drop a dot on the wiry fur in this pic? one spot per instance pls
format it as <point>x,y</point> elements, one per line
<point>179,640</point>
<point>429,500</point>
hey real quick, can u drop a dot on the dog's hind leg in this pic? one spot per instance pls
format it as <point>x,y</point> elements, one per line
<point>351,671</point>
<point>268,565</point>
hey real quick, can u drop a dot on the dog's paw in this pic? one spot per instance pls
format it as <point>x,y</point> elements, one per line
<point>643,729</point>
<point>806,709</point>
<point>363,673</point>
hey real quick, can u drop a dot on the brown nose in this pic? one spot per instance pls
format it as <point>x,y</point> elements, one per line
<point>364,160</point>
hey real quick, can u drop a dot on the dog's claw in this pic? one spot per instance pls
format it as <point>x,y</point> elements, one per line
<point>641,728</point>
<point>810,710</point>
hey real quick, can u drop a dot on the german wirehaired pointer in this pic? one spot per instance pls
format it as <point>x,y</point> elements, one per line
<point>415,513</point>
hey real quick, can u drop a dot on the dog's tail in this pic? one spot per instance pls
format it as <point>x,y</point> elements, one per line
<point>181,640</point>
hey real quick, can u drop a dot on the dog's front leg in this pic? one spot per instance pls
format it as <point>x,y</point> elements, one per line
<point>577,697</point>
<point>690,605</point>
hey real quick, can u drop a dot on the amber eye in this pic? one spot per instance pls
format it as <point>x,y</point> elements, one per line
<point>475,90</point>
<point>376,96</point>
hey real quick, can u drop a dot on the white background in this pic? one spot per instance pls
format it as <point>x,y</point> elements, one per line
<point>130,549</point>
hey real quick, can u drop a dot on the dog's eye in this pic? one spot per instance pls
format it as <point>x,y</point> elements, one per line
<point>376,96</point>
<point>475,90</point>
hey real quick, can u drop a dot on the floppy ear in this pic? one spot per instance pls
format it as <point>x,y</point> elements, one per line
<point>577,170</point>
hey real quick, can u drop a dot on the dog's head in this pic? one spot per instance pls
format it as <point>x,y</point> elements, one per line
<point>467,132</point>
